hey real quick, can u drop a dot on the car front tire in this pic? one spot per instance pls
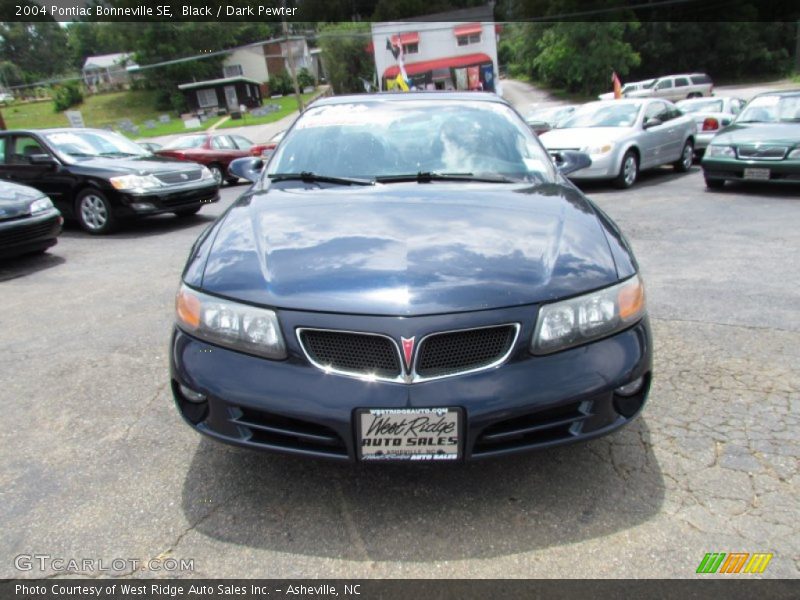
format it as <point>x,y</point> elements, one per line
<point>187,212</point>
<point>95,213</point>
<point>715,184</point>
<point>216,171</point>
<point>628,171</point>
<point>684,163</point>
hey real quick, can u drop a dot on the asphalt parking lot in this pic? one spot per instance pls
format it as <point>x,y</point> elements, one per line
<point>98,464</point>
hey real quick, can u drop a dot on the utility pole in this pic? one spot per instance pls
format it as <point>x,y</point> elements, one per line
<point>290,54</point>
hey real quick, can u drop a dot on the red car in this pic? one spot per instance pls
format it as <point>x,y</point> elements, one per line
<point>214,150</point>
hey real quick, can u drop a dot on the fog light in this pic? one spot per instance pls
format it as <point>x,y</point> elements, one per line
<point>629,389</point>
<point>143,206</point>
<point>191,395</point>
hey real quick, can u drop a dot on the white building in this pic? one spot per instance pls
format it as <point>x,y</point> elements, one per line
<point>107,70</point>
<point>440,54</point>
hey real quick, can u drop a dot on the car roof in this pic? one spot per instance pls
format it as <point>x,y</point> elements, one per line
<point>55,130</point>
<point>779,93</point>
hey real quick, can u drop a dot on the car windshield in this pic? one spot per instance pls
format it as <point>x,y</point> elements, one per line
<point>81,144</point>
<point>601,114</point>
<point>375,139</point>
<point>548,115</point>
<point>697,106</point>
<point>771,109</point>
<point>182,143</point>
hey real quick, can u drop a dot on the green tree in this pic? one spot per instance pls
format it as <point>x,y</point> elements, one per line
<point>345,56</point>
<point>580,57</point>
<point>35,48</point>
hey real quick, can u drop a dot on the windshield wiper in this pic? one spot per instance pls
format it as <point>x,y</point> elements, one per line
<point>308,177</point>
<point>428,176</point>
<point>118,154</point>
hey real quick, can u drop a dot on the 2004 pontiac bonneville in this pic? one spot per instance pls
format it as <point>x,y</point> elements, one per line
<point>410,278</point>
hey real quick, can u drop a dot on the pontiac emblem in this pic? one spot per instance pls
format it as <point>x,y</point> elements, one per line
<point>408,350</point>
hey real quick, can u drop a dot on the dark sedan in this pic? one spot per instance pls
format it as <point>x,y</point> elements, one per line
<point>98,177</point>
<point>410,278</point>
<point>762,144</point>
<point>28,220</point>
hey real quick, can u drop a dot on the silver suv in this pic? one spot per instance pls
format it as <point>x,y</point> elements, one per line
<point>676,87</point>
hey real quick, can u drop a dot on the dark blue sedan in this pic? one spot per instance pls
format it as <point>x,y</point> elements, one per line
<point>410,278</point>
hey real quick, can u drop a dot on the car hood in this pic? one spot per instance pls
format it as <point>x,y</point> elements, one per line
<point>141,166</point>
<point>753,133</point>
<point>581,137</point>
<point>407,249</point>
<point>15,200</point>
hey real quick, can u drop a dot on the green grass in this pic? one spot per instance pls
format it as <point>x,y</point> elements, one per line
<point>288,105</point>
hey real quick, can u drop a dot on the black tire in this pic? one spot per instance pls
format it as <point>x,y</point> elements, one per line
<point>684,163</point>
<point>218,173</point>
<point>628,171</point>
<point>187,212</point>
<point>232,180</point>
<point>715,184</point>
<point>95,213</point>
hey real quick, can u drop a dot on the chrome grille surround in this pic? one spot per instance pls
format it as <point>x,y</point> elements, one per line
<point>758,152</point>
<point>404,375</point>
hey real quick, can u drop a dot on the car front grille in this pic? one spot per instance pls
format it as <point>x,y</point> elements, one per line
<point>178,177</point>
<point>376,356</point>
<point>752,152</point>
<point>352,353</point>
<point>450,353</point>
<point>27,232</point>
<point>267,429</point>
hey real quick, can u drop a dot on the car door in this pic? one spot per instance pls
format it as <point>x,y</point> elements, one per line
<point>225,150</point>
<point>681,90</point>
<point>676,132</point>
<point>663,88</point>
<point>24,163</point>
<point>655,139</point>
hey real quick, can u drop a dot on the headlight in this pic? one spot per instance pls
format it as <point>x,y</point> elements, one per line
<point>230,324</point>
<point>589,317</point>
<point>135,182</point>
<point>40,205</point>
<point>205,173</point>
<point>598,150</point>
<point>724,151</point>
<point>794,153</point>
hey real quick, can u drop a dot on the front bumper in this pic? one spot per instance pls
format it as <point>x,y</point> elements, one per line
<point>529,402</point>
<point>167,200</point>
<point>780,171</point>
<point>29,234</point>
<point>602,167</point>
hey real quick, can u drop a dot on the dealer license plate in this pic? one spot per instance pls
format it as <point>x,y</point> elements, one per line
<point>409,433</point>
<point>759,174</point>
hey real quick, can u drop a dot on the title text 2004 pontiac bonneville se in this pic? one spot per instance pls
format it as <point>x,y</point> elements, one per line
<point>410,278</point>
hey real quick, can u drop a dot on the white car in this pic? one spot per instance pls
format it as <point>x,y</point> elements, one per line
<point>628,88</point>
<point>710,115</point>
<point>625,136</point>
<point>676,87</point>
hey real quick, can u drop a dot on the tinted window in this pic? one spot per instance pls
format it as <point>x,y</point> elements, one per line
<point>222,142</point>
<point>681,82</point>
<point>373,139</point>
<point>242,143</point>
<point>22,148</point>
<point>657,110</point>
<point>699,79</point>
<point>664,84</point>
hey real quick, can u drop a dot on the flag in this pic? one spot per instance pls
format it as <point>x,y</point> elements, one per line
<point>617,85</point>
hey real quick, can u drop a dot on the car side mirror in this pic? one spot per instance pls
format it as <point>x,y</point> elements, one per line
<point>569,161</point>
<point>41,159</point>
<point>652,122</point>
<point>247,168</point>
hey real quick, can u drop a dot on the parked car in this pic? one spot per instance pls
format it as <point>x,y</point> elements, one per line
<point>443,296</point>
<point>547,118</point>
<point>28,220</point>
<point>676,87</point>
<point>214,150</point>
<point>627,88</point>
<point>151,147</point>
<point>762,144</point>
<point>710,115</point>
<point>99,177</point>
<point>6,97</point>
<point>624,137</point>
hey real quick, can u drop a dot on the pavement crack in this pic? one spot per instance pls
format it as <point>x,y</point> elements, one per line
<point>144,410</point>
<point>350,524</point>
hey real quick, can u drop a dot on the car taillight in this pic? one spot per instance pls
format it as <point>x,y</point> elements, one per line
<point>710,124</point>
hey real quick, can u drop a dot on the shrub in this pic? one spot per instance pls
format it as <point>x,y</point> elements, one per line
<point>305,79</point>
<point>66,96</point>
<point>280,83</point>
